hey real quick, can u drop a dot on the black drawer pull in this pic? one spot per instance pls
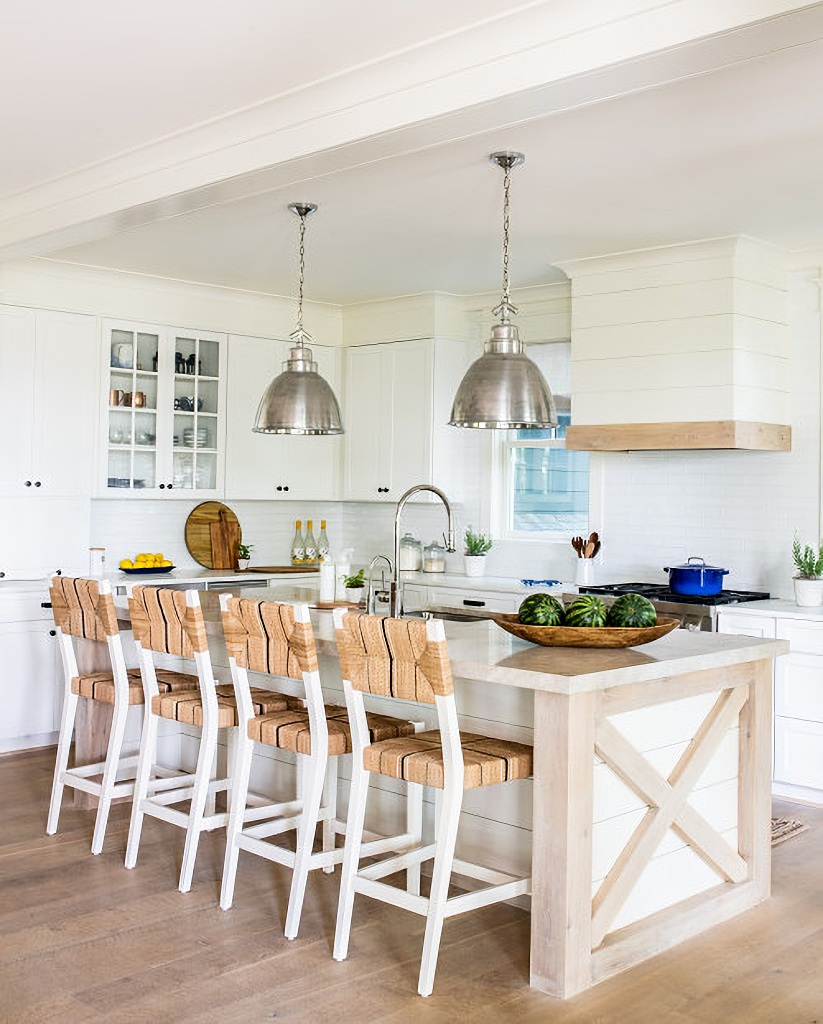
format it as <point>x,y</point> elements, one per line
<point>45,604</point>
<point>474,604</point>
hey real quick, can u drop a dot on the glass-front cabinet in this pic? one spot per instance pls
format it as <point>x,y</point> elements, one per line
<point>164,410</point>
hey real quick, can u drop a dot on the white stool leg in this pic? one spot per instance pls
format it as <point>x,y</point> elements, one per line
<point>351,859</point>
<point>414,826</point>
<point>443,858</point>
<point>61,763</point>
<point>199,798</point>
<point>313,782</point>
<point>145,763</point>
<point>330,805</point>
<point>244,748</point>
<point>109,781</point>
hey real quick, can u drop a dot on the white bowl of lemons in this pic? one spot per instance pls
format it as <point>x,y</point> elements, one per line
<point>146,565</point>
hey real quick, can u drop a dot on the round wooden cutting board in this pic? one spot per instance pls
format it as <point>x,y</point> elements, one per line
<point>198,530</point>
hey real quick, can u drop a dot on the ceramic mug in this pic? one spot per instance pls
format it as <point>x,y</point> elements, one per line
<point>116,396</point>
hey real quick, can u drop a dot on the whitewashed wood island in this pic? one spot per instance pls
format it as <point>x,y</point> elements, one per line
<point>648,817</point>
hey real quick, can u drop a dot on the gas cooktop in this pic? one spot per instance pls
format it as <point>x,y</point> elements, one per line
<point>660,592</point>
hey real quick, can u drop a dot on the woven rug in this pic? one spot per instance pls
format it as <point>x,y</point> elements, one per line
<point>786,828</point>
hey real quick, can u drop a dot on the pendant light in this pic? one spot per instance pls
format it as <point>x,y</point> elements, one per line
<point>299,400</point>
<point>504,389</point>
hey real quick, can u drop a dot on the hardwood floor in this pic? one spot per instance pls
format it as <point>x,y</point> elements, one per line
<point>84,940</point>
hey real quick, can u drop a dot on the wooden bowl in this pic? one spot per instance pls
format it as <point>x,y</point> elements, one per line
<point>587,636</point>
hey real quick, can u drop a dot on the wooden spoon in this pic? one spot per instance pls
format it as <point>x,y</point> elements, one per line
<point>588,551</point>
<point>577,544</point>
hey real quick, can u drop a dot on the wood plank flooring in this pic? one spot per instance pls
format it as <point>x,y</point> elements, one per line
<point>84,940</point>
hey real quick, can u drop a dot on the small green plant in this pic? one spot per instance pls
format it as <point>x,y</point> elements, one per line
<point>356,581</point>
<point>244,550</point>
<point>477,543</point>
<point>809,564</point>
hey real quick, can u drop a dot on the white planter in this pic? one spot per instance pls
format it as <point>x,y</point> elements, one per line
<point>474,565</point>
<point>808,593</point>
<point>354,595</point>
<point>243,563</point>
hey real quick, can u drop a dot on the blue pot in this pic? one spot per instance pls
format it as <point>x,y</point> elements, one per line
<point>695,578</point>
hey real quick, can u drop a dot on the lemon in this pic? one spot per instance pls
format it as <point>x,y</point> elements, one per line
<point>158,558</point>
<point>127,564</point>
<point>167,561</point>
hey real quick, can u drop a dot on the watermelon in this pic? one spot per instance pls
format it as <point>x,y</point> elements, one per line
<point>632,610</point>
<point>586,610</point>
<point>541,610</point>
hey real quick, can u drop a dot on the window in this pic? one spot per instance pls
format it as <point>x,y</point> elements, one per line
<point>545,488</point>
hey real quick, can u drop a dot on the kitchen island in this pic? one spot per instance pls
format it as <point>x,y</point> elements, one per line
<point>650,807</point>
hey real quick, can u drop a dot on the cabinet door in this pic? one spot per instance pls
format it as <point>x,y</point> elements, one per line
<point>280,466</point>
<point>369,423</point>
<point>65,403</point>
<point>29,685</point>
<point>17,359</point>
<point>410,455</point>
<point>743,624</point>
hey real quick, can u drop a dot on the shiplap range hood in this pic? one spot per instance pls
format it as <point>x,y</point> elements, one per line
<point>682,347</point>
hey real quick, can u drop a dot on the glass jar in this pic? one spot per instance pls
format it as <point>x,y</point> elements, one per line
<point>434,557</point>
<point>411,552</point>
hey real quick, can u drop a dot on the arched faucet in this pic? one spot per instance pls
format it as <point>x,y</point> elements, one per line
<point>395,600</point>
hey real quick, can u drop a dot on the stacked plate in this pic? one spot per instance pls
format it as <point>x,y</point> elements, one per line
<point>196,438</point>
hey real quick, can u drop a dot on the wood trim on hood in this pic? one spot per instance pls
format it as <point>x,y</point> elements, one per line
<point>715,434</point>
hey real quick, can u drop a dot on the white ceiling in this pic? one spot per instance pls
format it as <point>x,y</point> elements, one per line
<point>708,145</point>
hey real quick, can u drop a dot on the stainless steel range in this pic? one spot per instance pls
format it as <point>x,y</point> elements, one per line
<point>696,613</point>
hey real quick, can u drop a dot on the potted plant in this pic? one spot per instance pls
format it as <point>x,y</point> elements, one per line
<point>354,586</point>
<point>808,580</point>
<point>244,555</point>
<point>476,547</point>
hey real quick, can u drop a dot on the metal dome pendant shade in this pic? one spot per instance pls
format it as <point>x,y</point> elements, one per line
<point>504,389</point>
<point>299,400</point>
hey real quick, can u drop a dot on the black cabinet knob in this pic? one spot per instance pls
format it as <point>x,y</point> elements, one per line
<point>52,632</point>
<point>28,483</point>
<point>36,483</point>
<point>286,487</point>
<point>279,488</point>
<point>162,486</point>
<point>169,486</point>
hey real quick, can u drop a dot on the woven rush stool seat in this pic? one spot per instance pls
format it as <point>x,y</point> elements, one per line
<point>277,639</point>
<point>290,730</point>
<point>100,685</point>
<point>408,659</point>
<point>84,611</point>
<point>486,761</point>
<point>187,706</point>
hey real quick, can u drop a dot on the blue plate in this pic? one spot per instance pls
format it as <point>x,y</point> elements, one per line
<point>152,570</point>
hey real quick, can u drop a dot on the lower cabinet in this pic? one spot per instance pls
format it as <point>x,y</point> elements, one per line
<point>798,698</point>
<point>473,600</point>
<point>30,691</point>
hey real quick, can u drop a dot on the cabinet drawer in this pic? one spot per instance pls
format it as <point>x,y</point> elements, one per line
<point>799,691</point>
<point>805,637</point>
<point>742,624</point>
<point>449,598</point>
<point>798,752</point>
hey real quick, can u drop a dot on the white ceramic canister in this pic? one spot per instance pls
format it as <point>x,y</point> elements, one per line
<point>328,573</point>
<point>97,562</point>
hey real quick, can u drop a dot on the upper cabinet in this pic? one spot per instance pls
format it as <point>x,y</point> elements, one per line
<point>398,398</point>
<point>279,466</point>
<point>48,389</point>
<point>164,411</point>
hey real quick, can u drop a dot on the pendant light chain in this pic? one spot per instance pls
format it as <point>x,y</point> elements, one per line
<point>507,176</point>
<point>300,332</point>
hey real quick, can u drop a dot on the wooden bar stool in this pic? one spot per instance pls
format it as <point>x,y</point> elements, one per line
<point>408,659</point>
<point>166,621</point>
<point>84,610</point>
<point>277,639</point>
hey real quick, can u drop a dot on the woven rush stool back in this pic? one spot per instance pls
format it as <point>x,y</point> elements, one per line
<point>393,658</point>
<point>80,609</point>
<point>262,636</point>
<point>162,622</point>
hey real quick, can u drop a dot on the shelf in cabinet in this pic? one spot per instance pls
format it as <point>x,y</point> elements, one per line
<point>132,408</point>
<point>188,449</point>
<point>194,376</point>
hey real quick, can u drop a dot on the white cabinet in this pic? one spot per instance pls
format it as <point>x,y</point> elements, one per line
<point>30,681</point>
<point>397,402</point>
<point>798,698</point>
<point>163,411</point>
<point>48,389</point>
<point>272,466</point>
<point>474,600</point>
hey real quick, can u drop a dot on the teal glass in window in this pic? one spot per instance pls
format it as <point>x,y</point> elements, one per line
<point>550,486</point>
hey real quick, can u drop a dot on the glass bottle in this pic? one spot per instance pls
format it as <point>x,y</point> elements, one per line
<point>322,543</point>
<point>310,554</point>
<point>298,545</point>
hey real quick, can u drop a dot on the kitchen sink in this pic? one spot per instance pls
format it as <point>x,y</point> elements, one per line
<point>448,614</point>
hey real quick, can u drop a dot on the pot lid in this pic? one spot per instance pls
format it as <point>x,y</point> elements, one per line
<point>695,563</point>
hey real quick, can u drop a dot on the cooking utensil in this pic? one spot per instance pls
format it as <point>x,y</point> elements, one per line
<point>588,551</point>
<point>577,544</point>
<point>696,578</point>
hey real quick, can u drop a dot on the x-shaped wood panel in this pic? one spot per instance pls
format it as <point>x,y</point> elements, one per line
<point>667,807</point>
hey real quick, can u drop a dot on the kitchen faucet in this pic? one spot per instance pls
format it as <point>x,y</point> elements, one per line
<point>396,597</point>
<point>375,596</point>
